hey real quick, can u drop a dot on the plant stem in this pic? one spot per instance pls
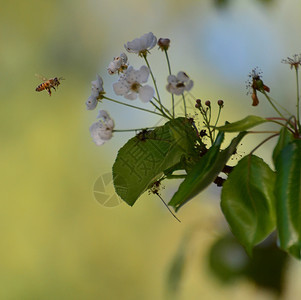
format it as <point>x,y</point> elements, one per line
<point>218,115</point>
<point>176,176</point>
<point>207,122</point>
<point>283,125</point>
<point>134,129</point>
<point>210,134</point>
<point>164,108</point>
<point>154,80</point>
<point>168,207</point>
<point>184,103</point>
<point>280,106</point>
<point>129,105</point>
<point>254,131</point>
<point>163,113</point>
<point>298,99</point>
<point>172,95</point>
<point>269,99</point>
<point>265,140</point>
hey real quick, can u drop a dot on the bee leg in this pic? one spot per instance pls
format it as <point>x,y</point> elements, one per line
<point>48,91</point>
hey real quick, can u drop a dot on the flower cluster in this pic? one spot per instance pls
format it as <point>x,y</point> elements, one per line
<point>194,152</point>
<point>132,84</point>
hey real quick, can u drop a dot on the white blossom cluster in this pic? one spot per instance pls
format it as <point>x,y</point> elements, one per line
<point>131,83</point>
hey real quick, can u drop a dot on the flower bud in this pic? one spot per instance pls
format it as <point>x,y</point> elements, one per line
<point>208,103</point>
<point>220,103</point>
<point>198,103</point>
<point>163,44</point>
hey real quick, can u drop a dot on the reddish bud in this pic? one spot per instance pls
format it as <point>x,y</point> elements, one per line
<point>208,103</point>
<point>163,44</point>
<point>220,103</point>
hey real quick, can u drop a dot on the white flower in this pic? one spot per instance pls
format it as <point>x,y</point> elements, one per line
<point>178,84</point>
<point>102,130</point>
<point>119,64</point>
<point>129,85</point>
<point>97,87</point>
<point>97,93</point>
<point>141,45</point>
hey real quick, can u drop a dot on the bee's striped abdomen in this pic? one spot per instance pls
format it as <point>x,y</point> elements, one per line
<point>42,86</point>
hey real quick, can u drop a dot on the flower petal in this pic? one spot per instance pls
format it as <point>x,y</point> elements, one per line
<point>102,114</point>
<point>130,75</point>
<point>124,57</point>
<point>120,87</point>
<point>112,68</point>
<point>131,96</point>
<point>94,129</point>
<point>144,43</point>
<point>98,83</point>
<point>97,86</point>
<point>133,46</point>
<point>182,76</point>
<point>110,124</point>
<point>189,85</point>
<point>151,40</point>
<point>172,79</point>
<point>91,103</point>
<point>146,93</point>
<point>142,74</point>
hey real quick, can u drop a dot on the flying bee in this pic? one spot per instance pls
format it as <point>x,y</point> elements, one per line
<point>48,84</point>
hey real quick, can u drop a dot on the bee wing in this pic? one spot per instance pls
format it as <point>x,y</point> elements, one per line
<point>41,77</point>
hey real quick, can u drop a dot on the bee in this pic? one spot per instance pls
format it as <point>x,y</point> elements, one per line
<point>48,84</point>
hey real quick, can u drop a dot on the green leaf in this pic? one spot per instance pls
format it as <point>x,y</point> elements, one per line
<point>191,149</point>
<point>177,129</point>
<point>288,198</point>
<point>285,137</point>
<point>248,201</point>
<point>242,125</point>
<point>143,160</point>
<point>205,171</point>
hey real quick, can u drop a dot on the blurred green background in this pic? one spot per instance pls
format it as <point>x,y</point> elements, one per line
<point>57,241</point>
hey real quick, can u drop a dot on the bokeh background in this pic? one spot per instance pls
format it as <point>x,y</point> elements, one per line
<point>57,241</point>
